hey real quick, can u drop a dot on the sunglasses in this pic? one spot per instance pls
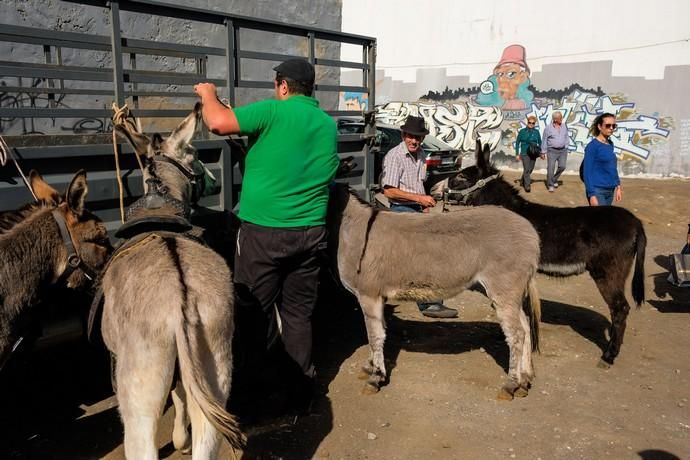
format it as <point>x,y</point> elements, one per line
<point>530,123</point>
<point>610,125</point>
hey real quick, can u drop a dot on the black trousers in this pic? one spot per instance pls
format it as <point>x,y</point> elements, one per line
<point>277,270</point>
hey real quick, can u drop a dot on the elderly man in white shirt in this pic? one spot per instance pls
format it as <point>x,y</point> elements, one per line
<point>555,145</point>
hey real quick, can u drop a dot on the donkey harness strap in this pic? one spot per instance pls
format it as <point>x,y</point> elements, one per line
<point>73,260</point>
<point>127,246</point>
<point>465,193</point>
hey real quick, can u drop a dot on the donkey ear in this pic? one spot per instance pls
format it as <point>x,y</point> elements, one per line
<point>478,152</point>
<point>42,190</point>
<point>140,142</point>
<point>76,193</point>
<point>487,155</point>
<point>125,125</point>
<point>184,133</point>
<point>483,158</point>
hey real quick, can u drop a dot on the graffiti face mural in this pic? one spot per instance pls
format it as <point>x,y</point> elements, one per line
<point>354,101</point>
<point>508,86</point>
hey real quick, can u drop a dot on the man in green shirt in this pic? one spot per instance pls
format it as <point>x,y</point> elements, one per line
<point>290,163</point>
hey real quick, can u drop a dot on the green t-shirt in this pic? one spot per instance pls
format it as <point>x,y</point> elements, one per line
<point>291,160</point>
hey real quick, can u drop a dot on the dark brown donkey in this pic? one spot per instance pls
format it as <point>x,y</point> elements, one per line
<point>52,241</point>
<point>605,241</point>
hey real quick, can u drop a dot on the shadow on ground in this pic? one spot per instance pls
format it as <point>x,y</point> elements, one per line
<point>670,298</point>
<point>42,395</point>
<point>588,323</point>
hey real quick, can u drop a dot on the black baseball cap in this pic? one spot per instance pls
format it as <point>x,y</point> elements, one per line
<point>297,69</point>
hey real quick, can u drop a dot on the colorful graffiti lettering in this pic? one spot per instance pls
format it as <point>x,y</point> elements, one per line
<point>457,124</point>
<point>580,109</point>
<point>461,123</point>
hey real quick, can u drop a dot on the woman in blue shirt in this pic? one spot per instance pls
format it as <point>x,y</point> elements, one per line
<point>525,137</point>
<point>600,169</point>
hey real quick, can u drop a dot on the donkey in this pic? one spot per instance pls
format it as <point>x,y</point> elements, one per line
<point>605,241</point>
<point>382,255</point>
<point>168,299</point>
<point>54,241</point>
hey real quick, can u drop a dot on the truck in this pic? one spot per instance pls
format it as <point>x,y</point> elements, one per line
<point>57,88</point>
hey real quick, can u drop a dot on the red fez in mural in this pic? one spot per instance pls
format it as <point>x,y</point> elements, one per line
<point>513,54</point>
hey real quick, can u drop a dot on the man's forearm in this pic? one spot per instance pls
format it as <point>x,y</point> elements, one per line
<point>219,118</point>
<point>395,193</point>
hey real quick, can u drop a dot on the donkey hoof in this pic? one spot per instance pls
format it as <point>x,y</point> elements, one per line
<point>508,391</point>
<point>603,364</point>
<point>521,392</point>
<point>364,373</point>
<point>370,389</point>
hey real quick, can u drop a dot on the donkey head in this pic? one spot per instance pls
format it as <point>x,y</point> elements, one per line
<point>85,231</point>
<point>173,160</point>
<point>471,177</point>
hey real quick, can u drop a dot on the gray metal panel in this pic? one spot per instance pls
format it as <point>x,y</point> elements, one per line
<point>77,113</point>
<point>267,56</point>
<point>58,162</point>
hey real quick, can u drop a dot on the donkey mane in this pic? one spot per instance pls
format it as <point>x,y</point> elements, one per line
<point>9,219</point>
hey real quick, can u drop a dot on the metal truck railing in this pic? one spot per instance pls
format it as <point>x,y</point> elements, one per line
<point>55,104</point>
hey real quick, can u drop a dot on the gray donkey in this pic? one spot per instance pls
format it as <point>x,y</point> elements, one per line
<point>383,255</point>
<point>168,299</point>
<point>49,242</point>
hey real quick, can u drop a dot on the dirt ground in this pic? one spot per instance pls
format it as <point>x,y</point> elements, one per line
<point>444,376</point>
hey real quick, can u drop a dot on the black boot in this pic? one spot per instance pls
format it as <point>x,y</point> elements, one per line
<point>301,395</point>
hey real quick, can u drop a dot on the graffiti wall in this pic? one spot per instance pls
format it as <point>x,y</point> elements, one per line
<point>476,70</point>
<point>495,109</point>
<point>461,124</point>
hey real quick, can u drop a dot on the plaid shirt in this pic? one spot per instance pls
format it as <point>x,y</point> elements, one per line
<point>404,170</point>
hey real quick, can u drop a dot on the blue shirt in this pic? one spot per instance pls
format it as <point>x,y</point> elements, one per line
<point>555,137</point>
<point>600,166</point>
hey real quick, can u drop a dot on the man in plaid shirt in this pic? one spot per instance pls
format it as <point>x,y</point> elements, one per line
<point>404,173</point>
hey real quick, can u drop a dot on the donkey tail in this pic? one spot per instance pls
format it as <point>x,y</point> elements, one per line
<point>188,338</point>
<point>638,275</point>
<point>534,311</point>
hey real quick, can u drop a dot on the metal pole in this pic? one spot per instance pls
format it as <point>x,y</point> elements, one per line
<point>371,108</point>
<point>230,56</point>
<point>116,50</point>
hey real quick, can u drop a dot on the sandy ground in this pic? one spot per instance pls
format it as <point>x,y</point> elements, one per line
<point>444,376</point>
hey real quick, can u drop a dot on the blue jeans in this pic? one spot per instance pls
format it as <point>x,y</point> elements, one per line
<point>604,195</point>
<point>412,207</point>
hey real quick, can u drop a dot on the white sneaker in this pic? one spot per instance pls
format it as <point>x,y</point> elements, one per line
<point>555,185</point>
<point>551,189</point>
